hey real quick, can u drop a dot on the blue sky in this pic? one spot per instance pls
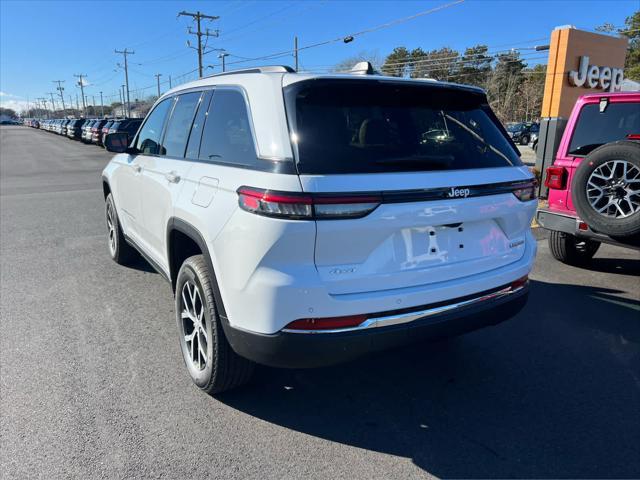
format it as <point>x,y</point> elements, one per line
<point>45,41</point>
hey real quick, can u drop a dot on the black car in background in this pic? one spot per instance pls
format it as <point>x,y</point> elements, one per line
<point>129,125</point>
<point>521,133</point>
<point>74,128</point>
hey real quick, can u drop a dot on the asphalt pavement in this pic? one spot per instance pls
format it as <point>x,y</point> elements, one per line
<point>92,383</point>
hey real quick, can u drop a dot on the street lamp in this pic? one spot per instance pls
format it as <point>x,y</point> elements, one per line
<point>223,55</point>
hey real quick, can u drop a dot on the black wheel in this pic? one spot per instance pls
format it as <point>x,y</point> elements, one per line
<point>570,249</point>
<point>213,365</point>
<point>524,140</point>
<point>606,189</point>
<point>121,252</point>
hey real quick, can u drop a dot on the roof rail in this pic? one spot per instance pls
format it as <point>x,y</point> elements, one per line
<point>266,69</point>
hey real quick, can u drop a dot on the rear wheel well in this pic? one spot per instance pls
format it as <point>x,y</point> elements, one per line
<point>180,247</point>
<point>105,188</point>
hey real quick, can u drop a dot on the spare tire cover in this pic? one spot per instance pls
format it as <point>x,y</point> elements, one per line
<point>606,189</point>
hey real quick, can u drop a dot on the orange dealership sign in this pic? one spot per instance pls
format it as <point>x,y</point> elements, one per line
<point>580,62</point>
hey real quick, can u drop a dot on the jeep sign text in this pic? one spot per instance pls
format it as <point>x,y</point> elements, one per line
<point>592,76</point>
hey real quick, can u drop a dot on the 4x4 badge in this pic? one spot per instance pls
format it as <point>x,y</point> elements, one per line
<point>458,192</point>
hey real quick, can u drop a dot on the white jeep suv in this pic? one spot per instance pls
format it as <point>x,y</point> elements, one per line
<point>304,220</point>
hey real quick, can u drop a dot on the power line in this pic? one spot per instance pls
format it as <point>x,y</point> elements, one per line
<point>352,35</point>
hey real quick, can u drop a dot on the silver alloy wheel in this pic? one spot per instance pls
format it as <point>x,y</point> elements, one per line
<point>194,325</point>
<point>111,227</point>
<point>613,189</point>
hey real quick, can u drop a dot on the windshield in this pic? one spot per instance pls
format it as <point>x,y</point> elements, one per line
<point>594,129</point>
<point>514,128</point>
<point>350,126</point>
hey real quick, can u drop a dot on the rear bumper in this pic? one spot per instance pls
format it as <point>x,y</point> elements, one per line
<point>567,223</point>
<point>307,350</point>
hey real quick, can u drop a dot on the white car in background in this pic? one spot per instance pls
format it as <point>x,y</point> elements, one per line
<point>305,220</point>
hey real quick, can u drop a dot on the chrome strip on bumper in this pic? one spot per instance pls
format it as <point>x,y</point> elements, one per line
<point>386,321</point>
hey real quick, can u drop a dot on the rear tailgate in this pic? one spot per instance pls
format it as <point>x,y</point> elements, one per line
<point>407,241</point>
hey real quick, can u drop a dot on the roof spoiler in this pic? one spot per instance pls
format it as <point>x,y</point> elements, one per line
<point>363,68</point>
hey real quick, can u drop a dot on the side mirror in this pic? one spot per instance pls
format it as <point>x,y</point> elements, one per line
<point>117,142</point>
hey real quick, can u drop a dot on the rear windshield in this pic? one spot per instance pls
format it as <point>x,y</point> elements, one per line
<point>594,128</point>
<point>367,126</point>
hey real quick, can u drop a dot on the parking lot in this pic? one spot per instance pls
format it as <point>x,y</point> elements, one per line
<point>93,382</point>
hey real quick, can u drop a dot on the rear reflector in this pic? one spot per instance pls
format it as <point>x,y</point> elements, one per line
<point>521,282</point>
<point>329,323</point>
<point>305,206</point>
<point>556,178</point>
<point>583,226</point>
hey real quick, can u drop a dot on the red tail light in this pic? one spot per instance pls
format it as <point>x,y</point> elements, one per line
<point>556,178</point>
<point>305,206</point>
<point>526,192</point>
<point>634,136</point>
<point>329,323</point>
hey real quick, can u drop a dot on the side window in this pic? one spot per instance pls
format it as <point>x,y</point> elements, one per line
<point>196,131</point>
<point>149,138</point>
<point>179,124</point>
<point>227,133</point>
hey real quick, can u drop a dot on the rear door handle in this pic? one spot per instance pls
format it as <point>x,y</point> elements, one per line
<point>173,177</point>
<point>137,168</point>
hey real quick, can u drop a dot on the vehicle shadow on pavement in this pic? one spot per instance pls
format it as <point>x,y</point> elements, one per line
<point>625,266</point>
<point>555,392</point>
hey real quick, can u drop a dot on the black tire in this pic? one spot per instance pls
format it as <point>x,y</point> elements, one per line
<point>222,369</point>
<point>628,226</point>
<point>570,249</point>
<point>119,250</point>
<point>524,140</point>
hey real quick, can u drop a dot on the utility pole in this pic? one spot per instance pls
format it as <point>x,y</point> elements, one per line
<point>124,113</point>
<point>170,82</point>
<point>295,50</point>
<point>78,104</point>
<point>53,104</point>
<point>101,104</point>
<point>198,16</point>
<point>126,52</point>
<point>81,83</point>
<point>60,89</point>
<point>223,55</point>
<point>44,103</point>
<point>158,75</point>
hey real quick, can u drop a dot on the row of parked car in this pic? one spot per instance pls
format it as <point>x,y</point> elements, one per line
<point>88,130</point>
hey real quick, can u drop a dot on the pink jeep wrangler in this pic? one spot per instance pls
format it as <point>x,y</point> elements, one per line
<point>594,183</point>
